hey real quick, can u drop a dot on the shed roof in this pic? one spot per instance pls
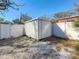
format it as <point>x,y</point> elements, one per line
<point>34,19</point>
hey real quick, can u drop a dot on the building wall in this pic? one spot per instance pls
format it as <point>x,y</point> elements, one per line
<point>8,31</point>
<point>44,30</point>
<point>59,30</point>
<point>65,30</point>
<point>31,29</point>
<point>38,29</point>
<point>72,32</point>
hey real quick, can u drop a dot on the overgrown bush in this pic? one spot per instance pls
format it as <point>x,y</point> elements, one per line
<point>76,23</point>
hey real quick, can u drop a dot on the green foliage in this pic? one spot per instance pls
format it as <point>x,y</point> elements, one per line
<point>76,23</point>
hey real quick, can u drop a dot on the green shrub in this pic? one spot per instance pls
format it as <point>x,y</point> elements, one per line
<point>76,23</point>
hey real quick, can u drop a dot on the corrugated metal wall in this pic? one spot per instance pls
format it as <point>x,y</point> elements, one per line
<point>38,29</point>
<point>31,29</point>
<point>44,29</point>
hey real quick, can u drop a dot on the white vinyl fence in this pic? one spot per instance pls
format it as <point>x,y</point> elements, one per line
<point>8,30</point>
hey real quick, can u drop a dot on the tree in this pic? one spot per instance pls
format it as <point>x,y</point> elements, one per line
<point>7,22</point>
<point>61,15</point>
<point>24,17</point>
<point>76,10</point>
<point>1,20</point>
<point>5,4</point>
<point>17,21</point>
<point>45,17</point>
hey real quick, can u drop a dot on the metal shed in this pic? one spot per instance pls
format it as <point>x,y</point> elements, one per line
<point>38,28</point>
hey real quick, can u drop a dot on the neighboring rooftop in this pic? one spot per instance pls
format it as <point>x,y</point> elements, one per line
<point>71,18</point>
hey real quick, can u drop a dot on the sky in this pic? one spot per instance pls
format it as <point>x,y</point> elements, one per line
<point>37,8</point>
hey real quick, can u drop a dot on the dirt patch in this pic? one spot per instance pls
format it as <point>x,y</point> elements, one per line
<point>24,46</point>
<point>67,43</point>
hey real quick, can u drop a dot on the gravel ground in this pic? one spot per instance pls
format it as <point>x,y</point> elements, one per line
<point>25,48</point>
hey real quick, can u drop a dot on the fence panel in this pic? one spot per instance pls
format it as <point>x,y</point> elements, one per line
<point>5,31</point>
<point>8,30</point>
<point>16,30</point>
